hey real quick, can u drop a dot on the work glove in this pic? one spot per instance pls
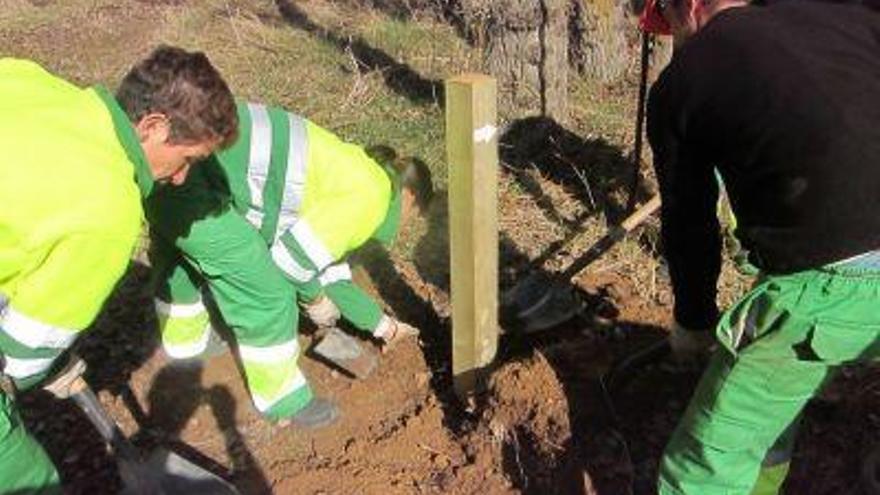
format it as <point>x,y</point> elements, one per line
<point>392,331</point>
<point>65,383</point>
<point>322,312</point>
<point>690,346</point>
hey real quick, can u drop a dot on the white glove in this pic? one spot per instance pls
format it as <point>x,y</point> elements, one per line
<point>66,382</point>
<point>391,331</point>
<point>690,345</point>
<point>322,312</point>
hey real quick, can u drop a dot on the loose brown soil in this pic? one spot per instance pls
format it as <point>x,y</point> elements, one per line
<point>544,424</point>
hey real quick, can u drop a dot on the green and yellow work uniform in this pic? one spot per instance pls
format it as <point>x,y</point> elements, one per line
<point>73,178</point>
<point>273,219</point>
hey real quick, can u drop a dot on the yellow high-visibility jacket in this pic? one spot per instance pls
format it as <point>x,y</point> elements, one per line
<point>72,174</point>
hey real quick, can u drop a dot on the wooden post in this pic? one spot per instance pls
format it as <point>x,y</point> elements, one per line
<point>472,151</point>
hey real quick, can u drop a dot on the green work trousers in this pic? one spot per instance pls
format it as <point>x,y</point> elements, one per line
<point>780,343</point>
<point>24,466</point>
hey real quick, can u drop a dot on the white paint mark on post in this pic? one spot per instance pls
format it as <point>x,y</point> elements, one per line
<point>485,134</point>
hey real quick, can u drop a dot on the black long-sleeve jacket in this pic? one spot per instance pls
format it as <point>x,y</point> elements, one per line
<point>785,101</point>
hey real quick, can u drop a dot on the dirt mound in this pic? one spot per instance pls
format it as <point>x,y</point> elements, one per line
<point>527,413</point>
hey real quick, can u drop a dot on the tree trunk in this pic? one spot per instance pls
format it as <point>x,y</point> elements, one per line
<point>602,37</point>
<point>526,47</point>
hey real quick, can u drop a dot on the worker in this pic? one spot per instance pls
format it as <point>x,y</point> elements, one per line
<point>784,100</point>
<point>76,164</point>
<point>279,213</point>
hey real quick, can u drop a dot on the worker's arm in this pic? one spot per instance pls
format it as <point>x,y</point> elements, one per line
<point>689,192</point>
<point>355,305</point>
<point>59,299</point>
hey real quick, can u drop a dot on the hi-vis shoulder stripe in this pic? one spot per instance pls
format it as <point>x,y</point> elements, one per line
<point>258,161</point>
<point>295,180</point>
<point>272,354</point>
<point>335,273</point>
<point>311,244</point>
<point>263,404</point>
<point>23,368</point>
<point>179,310</point>
<point>282,257</point>
<point>33,333</point>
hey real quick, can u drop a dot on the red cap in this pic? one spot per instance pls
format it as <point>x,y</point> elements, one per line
<point>652,21</point>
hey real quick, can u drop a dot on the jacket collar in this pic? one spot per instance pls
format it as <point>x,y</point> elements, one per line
<point>129,141</point>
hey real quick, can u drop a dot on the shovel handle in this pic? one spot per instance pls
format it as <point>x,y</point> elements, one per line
<point>107,428</point>
<point>641,214</point>
<point>610,239</point>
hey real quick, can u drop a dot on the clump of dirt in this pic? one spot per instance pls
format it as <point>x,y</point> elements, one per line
<point>527,413</point>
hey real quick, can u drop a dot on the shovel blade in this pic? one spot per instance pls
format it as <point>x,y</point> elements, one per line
<point>346,352</point>
<point>538,302</point>
<point>166,473</point>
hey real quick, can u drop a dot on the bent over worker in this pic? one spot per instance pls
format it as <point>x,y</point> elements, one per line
<point>785,101</point>
<point>75,164</point>
<point>279,212</point>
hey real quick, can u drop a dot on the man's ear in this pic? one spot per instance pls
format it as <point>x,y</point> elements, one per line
<point>153,127</point>
<point>694,9</point>
<point>414,209</point>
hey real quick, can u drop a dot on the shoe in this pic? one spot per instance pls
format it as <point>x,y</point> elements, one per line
<point>317,414</point>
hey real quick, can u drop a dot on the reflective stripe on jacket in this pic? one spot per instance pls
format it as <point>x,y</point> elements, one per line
<point>288,175</point>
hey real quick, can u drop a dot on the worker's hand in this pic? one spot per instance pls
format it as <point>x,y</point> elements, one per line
<point>690,346</point>
<point>65,383</point>
<point>322,312</point>
<point>392,331</point>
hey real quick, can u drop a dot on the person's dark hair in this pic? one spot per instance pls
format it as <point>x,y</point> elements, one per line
<point>415,176</point>
<point>187,89</point>
<point>409,173</point>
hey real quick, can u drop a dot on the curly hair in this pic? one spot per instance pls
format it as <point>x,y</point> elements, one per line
<point>187,89</point>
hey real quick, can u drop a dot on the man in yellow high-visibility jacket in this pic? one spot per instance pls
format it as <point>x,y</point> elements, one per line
<point>75,164</point>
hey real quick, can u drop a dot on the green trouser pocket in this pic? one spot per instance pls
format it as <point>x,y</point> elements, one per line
<point>24,466</point>
<point>837,341</point>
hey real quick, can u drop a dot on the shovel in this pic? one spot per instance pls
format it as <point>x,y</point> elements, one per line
<point>162,472</point>
<point>543,300</point>
<point>342,351</point>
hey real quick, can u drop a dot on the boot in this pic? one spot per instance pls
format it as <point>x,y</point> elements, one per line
<point>318,413</point>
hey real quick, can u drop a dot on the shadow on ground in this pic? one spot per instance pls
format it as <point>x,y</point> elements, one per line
<point>596,172</point>
<point>122,339</point>
<point>619,415</point>
<point>398,76</point>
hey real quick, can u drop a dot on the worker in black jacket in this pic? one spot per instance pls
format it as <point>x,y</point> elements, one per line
<point>784,100</point>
